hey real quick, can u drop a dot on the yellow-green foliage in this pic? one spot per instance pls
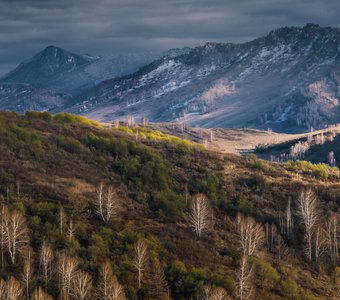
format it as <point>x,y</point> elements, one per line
<point>290,289</point>
<point>318,170</point>
<point>70,118</point>
<point>257,163</point>
<point>267,272</point>
<point>157,136</point>
<point>38,115</point>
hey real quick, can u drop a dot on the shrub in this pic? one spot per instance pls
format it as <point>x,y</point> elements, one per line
<point>267,272</point>
<point>243,205</point>
<point>256,181</point>
<point>167,203</point>
<point>290,289</point>
<point>38,115</point>
<point>70,145</point>
<point>70,118</point>
<point>319,171</point>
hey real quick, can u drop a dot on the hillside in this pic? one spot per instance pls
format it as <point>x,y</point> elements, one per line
<point>50,169</point>
<point>287,81</point>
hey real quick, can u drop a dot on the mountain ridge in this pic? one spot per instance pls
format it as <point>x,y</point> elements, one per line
<point>288,80</point>
<point>209,85</point>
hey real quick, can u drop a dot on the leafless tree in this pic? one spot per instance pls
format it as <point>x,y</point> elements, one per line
<point>156,283</point>
<point>109,287</point>
<point>289,220</point>
<point>107,204</point>
<point>66,269</point>
<point>15,233</point>
<point>14,290</point>
<point>145,121</point>
<point>141,257</point>
<point>201,215</point>
<point>40,294</point>
<point>250,233</point>
<point>331,229</point>
<point>27,271</point>
<point>309,213</point>
<point>244,288</point>
<point>46,258</point>
<point>319,243</point>
<point>130,121</point>
<point>214,293</point>
<point>271,233</point>
<point>2,234</point>
<point>81,285</point>
<point>62,219</point>
<point>3,289</point>
<point>71,229</point>
<point>281,248</point>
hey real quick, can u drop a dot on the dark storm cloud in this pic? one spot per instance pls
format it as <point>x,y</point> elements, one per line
<point>109,26</point>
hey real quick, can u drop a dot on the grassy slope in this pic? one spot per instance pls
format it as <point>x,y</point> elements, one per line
<point>61,162</point>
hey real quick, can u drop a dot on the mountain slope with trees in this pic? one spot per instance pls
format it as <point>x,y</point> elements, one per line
<point>115,212</point>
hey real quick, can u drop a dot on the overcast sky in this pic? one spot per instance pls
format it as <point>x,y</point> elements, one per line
<point>102,27</point>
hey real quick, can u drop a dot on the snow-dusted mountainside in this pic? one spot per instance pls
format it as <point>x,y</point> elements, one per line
<point>57,69</point>
<point>288,80</point>
<point>24,97</point>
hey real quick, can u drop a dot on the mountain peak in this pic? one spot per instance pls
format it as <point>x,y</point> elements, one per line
<point>48,63</point>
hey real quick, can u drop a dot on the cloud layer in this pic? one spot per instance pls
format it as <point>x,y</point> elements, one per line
<point>116,26</point>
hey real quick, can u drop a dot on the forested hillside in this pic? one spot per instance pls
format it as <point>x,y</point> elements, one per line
<point>94,212</point>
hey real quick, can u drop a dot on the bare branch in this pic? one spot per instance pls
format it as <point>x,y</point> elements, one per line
<point>141,256</point>
<point>40,294</point>
<point>244,288</point>
<point>67,269</point>
<point>250,233</point>
<point>81,285</point>
<point>309,213</point>
<point>200,217</point>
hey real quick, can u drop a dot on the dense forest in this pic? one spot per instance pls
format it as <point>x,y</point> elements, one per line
<point>100,211</point>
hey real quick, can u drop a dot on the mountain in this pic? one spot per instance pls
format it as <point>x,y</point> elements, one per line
<point>45,65</point>
<point>57,69</point>
<point>25,97</point>
<point>288,80</point>
<point>51,170</point>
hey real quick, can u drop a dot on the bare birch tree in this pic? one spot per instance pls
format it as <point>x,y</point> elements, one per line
<point>2,234</point>
<point>66,269</point>
<point>107,203</point>
<point>27,271</point>
<point>250,233</point>
<point>244,287</point>
<point>15,233</point>
<point>14,290</point>
<point>271,233</point>
<point>331,229</point>
<point>156,283</point>
<point>109,287</point>
<point>200,216</point>
<point>46,258</point>
<point>3,289</point>
<point>319,243</point>
<point>214,293</point>
<point>308,211</point>
<point>81,285</point>
<point>40,294</point>
<point>140,259</point>
<point>71,229</point>
<point>289,220</point>
<point>62,219</point>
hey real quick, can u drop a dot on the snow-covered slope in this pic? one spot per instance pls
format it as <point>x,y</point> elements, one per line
<point>24,97</point>
<point>288,80</point>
